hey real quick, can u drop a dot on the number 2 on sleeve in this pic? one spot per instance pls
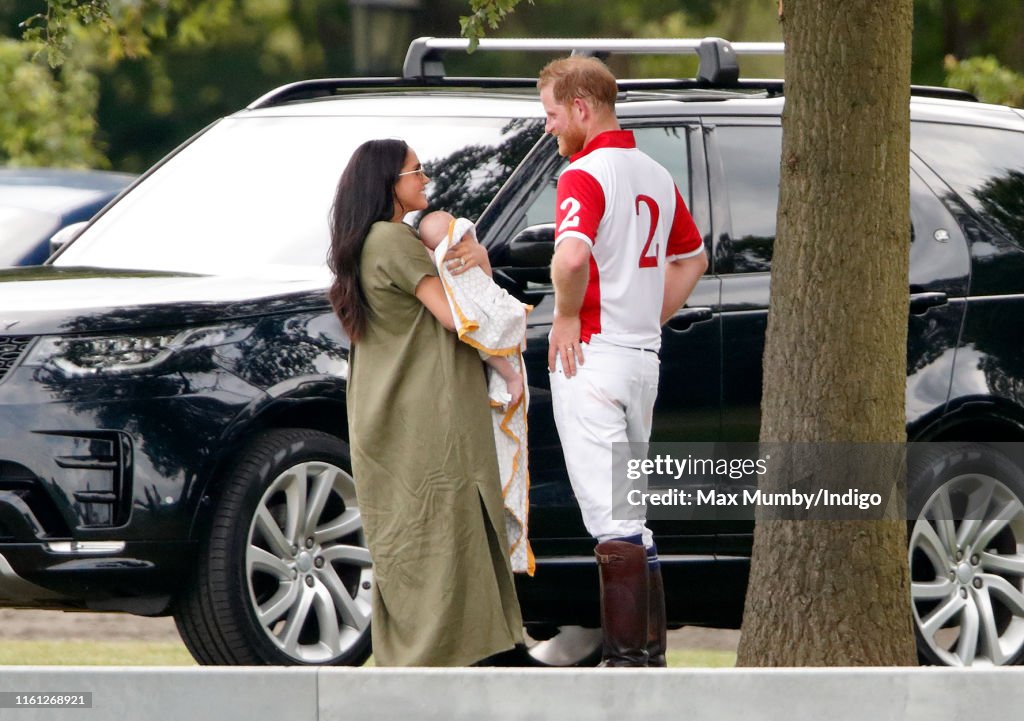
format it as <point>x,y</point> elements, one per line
<point>572,215</point>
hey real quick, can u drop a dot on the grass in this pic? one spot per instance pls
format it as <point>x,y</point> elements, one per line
<point>143,653</point>
<point>94,653</point>
<point>700,658</point>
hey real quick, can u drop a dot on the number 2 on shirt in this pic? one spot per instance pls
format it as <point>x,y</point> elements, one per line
<point>572,215</point>
<point>649,256</point>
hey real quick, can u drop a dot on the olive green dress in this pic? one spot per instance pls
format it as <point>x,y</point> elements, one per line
<point>426,473</point>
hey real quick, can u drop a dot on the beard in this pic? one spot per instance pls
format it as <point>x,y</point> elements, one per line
<point>571,140</point>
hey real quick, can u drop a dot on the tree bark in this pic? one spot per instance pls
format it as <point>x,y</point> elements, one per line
<point>827,593</point>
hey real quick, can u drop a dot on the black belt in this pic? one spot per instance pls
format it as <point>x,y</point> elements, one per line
<point>651,350</point>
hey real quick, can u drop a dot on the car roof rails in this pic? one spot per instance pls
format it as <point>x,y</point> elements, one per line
<point>933,91</point>
<point>718,67</point>
<point>424,66</point>
<point>717,57</point>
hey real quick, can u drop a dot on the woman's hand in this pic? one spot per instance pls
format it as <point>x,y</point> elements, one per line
<point>467,253</point>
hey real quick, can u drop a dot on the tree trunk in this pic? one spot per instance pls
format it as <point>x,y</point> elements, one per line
<point>836,593</point>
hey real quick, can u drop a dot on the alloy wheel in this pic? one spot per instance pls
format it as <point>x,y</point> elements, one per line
<point>967,572</point>
<point>308,571</point>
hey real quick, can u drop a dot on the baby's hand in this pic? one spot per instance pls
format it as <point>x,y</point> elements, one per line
<point>515,388</point>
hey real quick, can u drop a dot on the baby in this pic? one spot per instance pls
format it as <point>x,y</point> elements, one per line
<point>435,228</point>
<point>493,322</point>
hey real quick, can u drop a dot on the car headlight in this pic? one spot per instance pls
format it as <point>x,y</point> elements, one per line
<point>85,356</point>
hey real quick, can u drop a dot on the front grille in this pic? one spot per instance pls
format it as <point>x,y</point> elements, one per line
<point>11,349</point>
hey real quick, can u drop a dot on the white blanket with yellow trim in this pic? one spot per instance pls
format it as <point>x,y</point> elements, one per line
<point>494,322</point>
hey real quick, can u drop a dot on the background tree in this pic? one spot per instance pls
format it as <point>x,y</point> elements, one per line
<point>46,118</point>
<point>986,78</point>
<point>963,29</point>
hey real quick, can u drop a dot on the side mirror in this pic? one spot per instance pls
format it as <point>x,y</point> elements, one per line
<point>528,256</point>
<point>65,235</point>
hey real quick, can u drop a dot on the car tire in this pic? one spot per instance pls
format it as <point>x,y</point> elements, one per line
<point>284,576</point>
<point>966,555</point>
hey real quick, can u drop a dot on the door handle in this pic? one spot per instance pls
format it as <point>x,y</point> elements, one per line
<point>688,317</point>
<point>921,302</point>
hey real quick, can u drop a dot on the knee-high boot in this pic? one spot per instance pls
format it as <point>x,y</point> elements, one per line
<point>657,640</point>
<point>623,573</point>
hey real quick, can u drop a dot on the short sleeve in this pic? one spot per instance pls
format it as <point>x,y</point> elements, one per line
<point>684,239</point>
<point>399,256</point>
<point>579,207</point>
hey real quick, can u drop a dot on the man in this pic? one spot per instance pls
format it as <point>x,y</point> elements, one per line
<point>627,256</point>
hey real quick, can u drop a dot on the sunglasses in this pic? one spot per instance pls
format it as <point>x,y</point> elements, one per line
<point>418,171</point>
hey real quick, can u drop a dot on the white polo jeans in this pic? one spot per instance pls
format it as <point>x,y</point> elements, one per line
<point>609,400</point>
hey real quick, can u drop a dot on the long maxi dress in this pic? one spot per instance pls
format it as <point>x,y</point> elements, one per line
<point>426,473</point>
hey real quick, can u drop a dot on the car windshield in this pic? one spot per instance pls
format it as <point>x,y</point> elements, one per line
<point>252,195</point>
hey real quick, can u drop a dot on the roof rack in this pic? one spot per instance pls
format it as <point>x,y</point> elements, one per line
<point>424,68</point>
<point>717,57</point>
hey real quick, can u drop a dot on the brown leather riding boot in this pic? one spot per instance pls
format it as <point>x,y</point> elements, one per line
<point>656,632</point>
<point>623,572</point>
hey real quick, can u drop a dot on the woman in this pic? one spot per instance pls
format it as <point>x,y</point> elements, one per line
<point>422,451</point>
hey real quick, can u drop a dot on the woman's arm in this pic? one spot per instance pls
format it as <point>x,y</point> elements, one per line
<point>430,293</point>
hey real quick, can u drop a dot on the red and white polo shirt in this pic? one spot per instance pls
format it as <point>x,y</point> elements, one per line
<point>626,207</point>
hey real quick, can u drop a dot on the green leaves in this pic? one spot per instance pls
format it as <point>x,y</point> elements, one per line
<point>486,14</point>
<point>47,118</point>
<point>987,79</point>
<point>50,30</point>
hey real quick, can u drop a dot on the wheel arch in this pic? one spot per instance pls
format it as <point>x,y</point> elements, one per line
<point>980,420</point>
<point>325,413</point>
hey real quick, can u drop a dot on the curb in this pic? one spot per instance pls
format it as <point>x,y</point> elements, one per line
<point>337,694</point>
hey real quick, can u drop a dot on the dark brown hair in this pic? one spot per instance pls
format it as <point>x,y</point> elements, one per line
<point>365,195</point>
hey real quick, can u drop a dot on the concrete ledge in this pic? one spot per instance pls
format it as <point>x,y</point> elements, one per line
<point>254,694</point>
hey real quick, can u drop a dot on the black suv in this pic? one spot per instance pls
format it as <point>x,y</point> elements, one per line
<point>172,386</point>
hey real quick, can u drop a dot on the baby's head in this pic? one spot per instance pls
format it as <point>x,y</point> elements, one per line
<point>434,228</point>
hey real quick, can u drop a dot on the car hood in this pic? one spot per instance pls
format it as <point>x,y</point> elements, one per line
<point>50,299</point>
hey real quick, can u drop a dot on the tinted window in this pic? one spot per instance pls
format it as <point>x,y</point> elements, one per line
<point>750,160</point>
<point>984,166</point>
<point>668,147</point>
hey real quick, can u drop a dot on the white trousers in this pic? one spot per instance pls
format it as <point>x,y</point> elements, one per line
<point>609,400</point>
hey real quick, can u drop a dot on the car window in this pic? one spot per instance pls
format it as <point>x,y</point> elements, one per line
<point>252,195</point>
<point>983,166</point>
<point>667,145</point>
<point>750,159</point>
